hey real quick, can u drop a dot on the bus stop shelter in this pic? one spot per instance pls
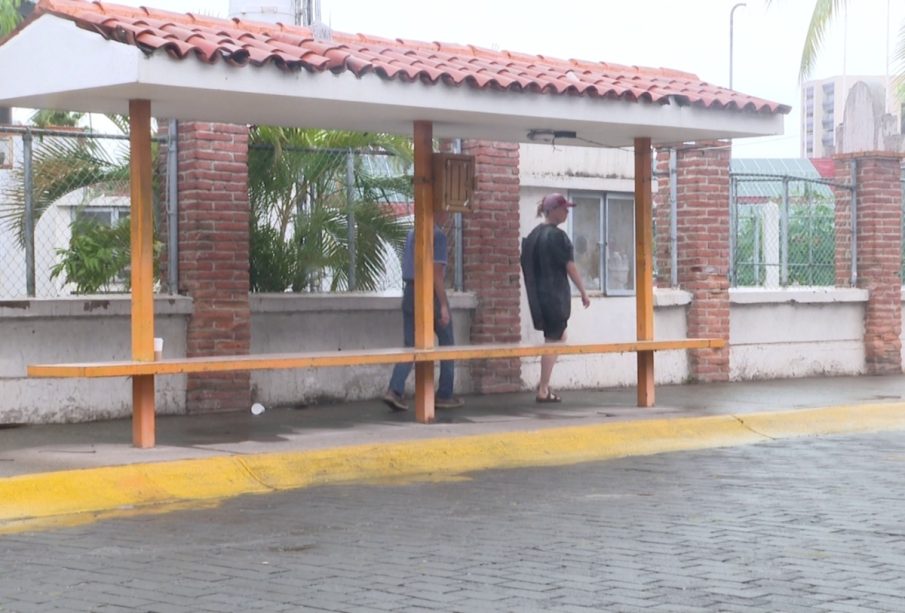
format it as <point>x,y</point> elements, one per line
<point>106,58</point>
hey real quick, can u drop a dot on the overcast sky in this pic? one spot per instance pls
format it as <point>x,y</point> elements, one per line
<point>692,35</point>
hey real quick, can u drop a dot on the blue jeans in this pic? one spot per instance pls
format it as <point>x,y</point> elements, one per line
<point>444,337</point>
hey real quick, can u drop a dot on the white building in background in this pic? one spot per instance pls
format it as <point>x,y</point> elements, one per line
<point>823,104</point>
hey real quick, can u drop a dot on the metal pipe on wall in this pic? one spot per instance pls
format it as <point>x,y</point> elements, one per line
<point>459,280</point>
<point>673,219</point>
<point>29,215</point>
<point>173,206</point>
<point>350,212</point>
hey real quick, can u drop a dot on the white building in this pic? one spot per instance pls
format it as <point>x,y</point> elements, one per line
<point>823,103</point>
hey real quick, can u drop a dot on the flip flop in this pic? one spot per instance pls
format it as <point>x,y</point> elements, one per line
<point>550,397</point>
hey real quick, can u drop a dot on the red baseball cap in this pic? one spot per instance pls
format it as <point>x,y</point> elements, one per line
<point>554,201</point>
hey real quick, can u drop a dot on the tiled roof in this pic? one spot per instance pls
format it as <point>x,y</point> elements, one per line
<point>291,48</point>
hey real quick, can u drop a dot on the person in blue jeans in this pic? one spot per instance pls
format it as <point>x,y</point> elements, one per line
<point>443,325</point>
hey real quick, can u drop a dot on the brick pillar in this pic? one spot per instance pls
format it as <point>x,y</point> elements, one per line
<point>661,220</point>
<point>491,261</point>
<point>213,257</point>
<point>703,251</point>
<point>879,244</point>
<point>843,219</point>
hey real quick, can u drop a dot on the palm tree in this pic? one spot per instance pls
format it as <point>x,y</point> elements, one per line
<point>300,210</point>
<point>301,214</point>
<point>9,15</point>
<point>825,11</point>
<point>61,166</point>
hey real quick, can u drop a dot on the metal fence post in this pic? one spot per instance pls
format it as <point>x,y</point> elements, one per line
<point>458,271</point>
<point>758,223</point>
<point>350,204</point>
<point>784,235</point>
<point>173,206</point>
<point>733,229</point>
<point>29,215</point>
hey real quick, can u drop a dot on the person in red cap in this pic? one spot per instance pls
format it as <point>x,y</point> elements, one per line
<point>548,262</point>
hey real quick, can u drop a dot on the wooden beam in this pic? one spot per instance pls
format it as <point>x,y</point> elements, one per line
<point>644,268</point>
<point>142,245</point>
<point>355,357</point>
<point>424,268</point>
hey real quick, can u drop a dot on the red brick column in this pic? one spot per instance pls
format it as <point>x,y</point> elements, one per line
<point>213,256</point>
<point>879,243</point>
<point>843,219</point>
<point>703,251</point>
<point>661,220</point>
<point>491,261</point>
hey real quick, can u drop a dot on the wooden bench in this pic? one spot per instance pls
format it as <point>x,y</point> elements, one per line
<point>351,357</point>
<point>143,372</point>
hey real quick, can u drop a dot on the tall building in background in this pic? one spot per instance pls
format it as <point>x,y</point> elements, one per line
<point>823,104</point>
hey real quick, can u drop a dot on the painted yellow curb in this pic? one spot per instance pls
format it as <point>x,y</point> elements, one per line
<point>27,501</point>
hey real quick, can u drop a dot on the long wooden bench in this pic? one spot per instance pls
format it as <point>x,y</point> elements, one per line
<point>143,372</point>
<point>351,357</point>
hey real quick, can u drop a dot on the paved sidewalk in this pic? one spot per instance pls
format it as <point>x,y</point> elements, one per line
<point>206,457</point>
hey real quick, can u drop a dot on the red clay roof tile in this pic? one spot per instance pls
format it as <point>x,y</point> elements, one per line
<point>287,47</point>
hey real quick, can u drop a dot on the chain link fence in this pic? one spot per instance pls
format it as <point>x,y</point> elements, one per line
<point>331,219</point>
<point>783,230</point>
<point>64,212</point>
<point>323,219</point>
<point>327,219</point>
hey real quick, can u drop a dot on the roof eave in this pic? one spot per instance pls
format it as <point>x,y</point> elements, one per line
<point>192,89</point>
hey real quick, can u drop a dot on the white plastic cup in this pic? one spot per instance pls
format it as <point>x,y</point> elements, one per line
<point>257,408</point>
<point>158,348</point>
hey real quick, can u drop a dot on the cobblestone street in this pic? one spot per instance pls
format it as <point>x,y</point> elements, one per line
<point>792,525</point>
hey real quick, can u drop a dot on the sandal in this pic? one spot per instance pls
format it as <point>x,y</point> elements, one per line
<point>550,397</point>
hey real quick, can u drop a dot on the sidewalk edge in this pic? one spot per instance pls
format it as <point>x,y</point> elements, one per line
<point>76,496</point>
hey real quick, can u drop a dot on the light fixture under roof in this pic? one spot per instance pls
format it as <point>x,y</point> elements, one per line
<point>550,136</point>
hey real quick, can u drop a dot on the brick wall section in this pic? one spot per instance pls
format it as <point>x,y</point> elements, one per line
<point>843,220</point>
<point>879,244</point>
<point>661,220</point>
<point>213,257</point>
<point>703,251</point>
<point>491,261</point>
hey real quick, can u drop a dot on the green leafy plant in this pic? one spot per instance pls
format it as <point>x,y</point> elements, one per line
<point>98,256</point>
<point>62,166</point>
<point>9,15</point>
<point>300,192</point>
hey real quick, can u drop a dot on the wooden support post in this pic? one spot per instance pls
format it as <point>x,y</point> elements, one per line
<point>142,241</point>
<point>424,269</point>
<point>644,268</point>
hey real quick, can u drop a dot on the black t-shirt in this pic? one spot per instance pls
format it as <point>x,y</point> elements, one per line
<point>552,252</point>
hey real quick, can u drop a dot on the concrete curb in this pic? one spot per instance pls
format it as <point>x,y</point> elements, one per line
<point>78,496</point>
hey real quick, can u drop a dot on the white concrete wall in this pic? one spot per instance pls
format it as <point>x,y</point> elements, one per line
<point>773,334</point>
<point>287,323</point>
<point>86,329</point>
<point>544,169</point>
<point>73,330</point>
<point>796,332</point>
<point>611,319</point>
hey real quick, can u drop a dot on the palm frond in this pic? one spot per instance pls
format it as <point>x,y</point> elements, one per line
<point>898,83</point>
<point>824,13</point>
<point>60,166</point>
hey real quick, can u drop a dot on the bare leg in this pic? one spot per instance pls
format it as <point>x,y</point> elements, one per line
<point>546,370</point>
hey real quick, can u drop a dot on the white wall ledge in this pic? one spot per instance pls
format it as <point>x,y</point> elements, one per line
<point>101,305</point>
<point>796,295</point>
<point>669,297</point>
<point>290,303</point>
